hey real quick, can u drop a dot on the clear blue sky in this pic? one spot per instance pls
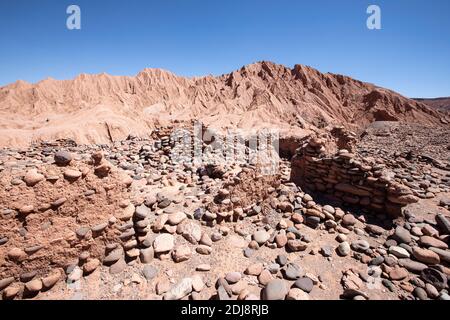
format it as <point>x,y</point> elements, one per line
<point>411,54</point>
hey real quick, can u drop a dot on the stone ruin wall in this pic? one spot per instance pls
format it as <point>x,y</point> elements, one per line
<point>322,166</point>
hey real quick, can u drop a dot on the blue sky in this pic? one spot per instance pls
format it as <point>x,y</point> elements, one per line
<point>411,54</point>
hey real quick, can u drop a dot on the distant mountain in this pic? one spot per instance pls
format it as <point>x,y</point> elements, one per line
<point>90,108</point>
<point>442,104</point>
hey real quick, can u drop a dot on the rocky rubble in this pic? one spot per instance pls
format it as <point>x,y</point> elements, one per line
<point>128,216</point>
<point>348,178</point>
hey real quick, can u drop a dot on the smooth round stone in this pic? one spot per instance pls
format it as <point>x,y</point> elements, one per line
<point>32,178</point>
<point>349,220</point>
<point>305,283</point>
<point>407,247</point>
<point>273,268</point>
<point>113,256</point>
<point>163,243</point>
<point>398,273</point>
<point>82,232</point>
<point>282,260</point>
<point>17,254</point>
<point>432,292</point>
<point>254,269</point>
<point>34,285</point>
<point>275,290</point>
<point>248,252</point>
<point>328,209</point>
<point>142,211</point>
<point>3,240</point>
<point>390,261</point>
<point>72,174</point>
<point>341,237</point>
<point>6,282</point>
<point>377,261</point>
<point>327,251</point>
<point>416,231</point>
<point>28,276</point>
<point>216,236</point>
<point>91,266</point>
<point>164,203</point>
<point>206,240</point>
<point>182,253</point>
<point>402,235</point>
<point>426,256</point>
<point>293,271</point>
<point>312,221</point>
<point>192,232</point>
<point>399,252</point>
<point>388,284</point>
<point>435,277</point>
<point>344,248</point>
<point>203,267</point>
<point>390,243</point>
<point>99,227</point>
<point>118,267</point>
<point>176,218</point>
<point>261,236</point>
<point>149,272</point>
<point>197,283</point>
<point>233,277</point>
<point>63,158</point>
<point>50,280</point>
<point>11,292</point>
<point>297,294</point>
<point>420,293</point>
<point>265,277</point>
<point>412,266</point>
<point>443,254</point>
<point>360,245</point>
<point>202,249</point>
<point>428,241</point>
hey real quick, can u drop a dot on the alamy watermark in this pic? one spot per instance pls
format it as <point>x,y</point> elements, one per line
<point>73,21</point>
<point>205,146</point>
<point>374,20</point>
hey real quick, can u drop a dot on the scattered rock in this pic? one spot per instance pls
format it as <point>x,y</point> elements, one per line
<point>275,290</point>
<point>163,243</point>
<point>261,236</point>
<point>63,158</point>
<point>305,283</point>
<point>399,252</point>
<point>296,294</point>
<point>182,253</point>
<point>426,256</point>
<point>149,272</point>
<point>180,290</point>
<point>344,249</point>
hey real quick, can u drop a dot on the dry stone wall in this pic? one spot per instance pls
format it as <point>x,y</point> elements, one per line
<point>319,166</point>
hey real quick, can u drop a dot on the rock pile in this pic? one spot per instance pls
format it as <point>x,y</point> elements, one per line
<point>185,230</point>
<point>348,178</point>
<point>55,217</point>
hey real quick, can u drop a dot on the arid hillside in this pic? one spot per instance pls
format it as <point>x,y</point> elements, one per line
<point>442,104</point>
<point>101,108</point>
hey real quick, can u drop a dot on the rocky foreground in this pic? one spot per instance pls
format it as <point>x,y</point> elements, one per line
<point>123,221</point>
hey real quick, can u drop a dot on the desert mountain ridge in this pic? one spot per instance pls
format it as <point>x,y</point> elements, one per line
<point>442,103</point>
<point>100,108</point>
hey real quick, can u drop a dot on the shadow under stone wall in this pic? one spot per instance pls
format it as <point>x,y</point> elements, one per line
<point>347,178</point>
